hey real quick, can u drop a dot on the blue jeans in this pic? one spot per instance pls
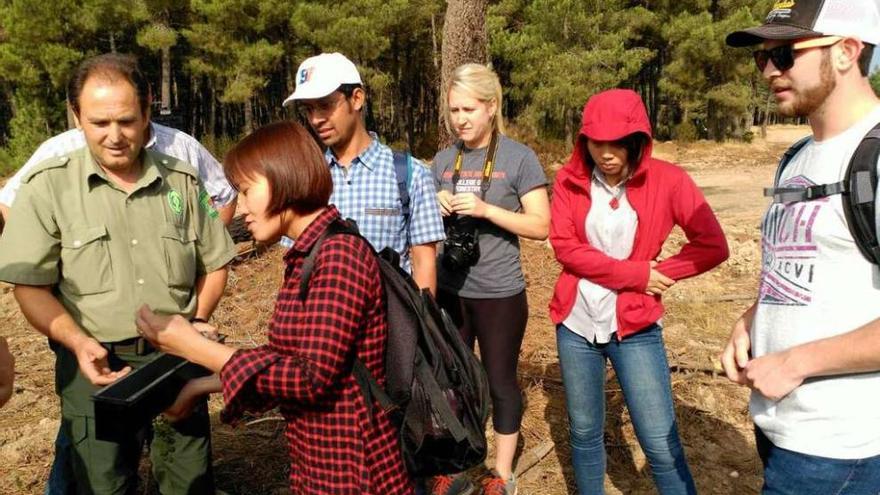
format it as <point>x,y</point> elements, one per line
<point>792,473</point>
<point>643,373</point>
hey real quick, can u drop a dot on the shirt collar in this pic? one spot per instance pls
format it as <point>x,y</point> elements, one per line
<point>368,157</point>
<point>151,143</point>
<point>303,244</point>
<point>599,178</point>
<point>149,174</point>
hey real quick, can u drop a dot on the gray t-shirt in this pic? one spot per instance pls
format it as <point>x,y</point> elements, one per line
<point>498,273</point>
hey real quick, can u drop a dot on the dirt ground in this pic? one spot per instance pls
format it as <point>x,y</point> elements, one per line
<point>713,418</point>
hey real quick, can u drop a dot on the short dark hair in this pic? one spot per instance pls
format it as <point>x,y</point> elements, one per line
<point>865,59</point>
<point>109,66</point>
<point>634,144</point>
<point>348,89</point>
<point>287,155</point>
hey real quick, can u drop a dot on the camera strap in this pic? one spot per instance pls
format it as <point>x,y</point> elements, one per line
<point>488,165</point>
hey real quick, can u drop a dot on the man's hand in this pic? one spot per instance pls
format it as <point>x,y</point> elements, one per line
<point>7,372</point>
<point>773,375</point>
<point>657,282</point>
<point>735,356</point>
<point>92,359</point>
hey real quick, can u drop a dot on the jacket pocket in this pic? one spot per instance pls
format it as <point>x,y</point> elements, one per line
<point>180,256</point>
<point>85,261</point>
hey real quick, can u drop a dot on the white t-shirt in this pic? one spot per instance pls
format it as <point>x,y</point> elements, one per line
<point>166,140</point>
<point>816,284</point>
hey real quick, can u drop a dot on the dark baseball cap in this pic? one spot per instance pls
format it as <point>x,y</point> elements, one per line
<point>796,19</point>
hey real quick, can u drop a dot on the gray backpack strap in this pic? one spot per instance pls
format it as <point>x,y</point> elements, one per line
<point>795,194</point>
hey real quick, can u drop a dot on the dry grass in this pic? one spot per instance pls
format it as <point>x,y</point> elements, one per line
<point>251,459</point>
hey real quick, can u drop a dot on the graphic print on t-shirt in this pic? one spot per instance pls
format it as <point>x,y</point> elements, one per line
<point>471,180</point>
<point>789,249</point>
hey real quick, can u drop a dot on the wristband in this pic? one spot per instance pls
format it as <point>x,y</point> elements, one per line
<point>198,320</point>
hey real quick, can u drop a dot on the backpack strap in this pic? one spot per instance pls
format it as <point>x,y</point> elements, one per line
<point>334,228</point>
<point>364,378</point>
<point>795,194</point>
<point>371,389</point>
<point>403,171</point>
<point>859,200</point>
<point>791,194</point>
<point>858,188</point>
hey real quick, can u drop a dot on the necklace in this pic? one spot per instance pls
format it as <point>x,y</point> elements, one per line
<point>614,203</point>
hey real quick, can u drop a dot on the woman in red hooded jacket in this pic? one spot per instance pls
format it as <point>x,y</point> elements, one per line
<point>613,208</point>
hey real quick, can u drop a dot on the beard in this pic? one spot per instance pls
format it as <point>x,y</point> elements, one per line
<point>809,100</point>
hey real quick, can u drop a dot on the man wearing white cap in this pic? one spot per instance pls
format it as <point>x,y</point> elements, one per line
<point>330,94</point>
<point>809,347</point>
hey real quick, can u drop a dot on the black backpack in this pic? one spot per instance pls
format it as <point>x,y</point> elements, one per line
<point>858,188</point>
<point>436,390</point>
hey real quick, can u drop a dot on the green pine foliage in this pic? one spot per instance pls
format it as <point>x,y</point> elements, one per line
<point>232,62</point>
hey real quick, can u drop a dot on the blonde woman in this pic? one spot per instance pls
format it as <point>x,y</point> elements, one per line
<point>492,190</point>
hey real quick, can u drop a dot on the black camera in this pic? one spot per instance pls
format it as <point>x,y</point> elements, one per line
<point>461,250</point>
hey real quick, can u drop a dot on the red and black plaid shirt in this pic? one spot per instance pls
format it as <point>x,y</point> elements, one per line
<point>305,370</point>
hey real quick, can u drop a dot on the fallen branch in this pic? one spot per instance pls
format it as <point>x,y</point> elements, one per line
<point>531,458</point>
<point>723,298</point>
<point>264,420</point>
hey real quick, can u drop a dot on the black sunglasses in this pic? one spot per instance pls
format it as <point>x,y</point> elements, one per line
<point>783,56</point>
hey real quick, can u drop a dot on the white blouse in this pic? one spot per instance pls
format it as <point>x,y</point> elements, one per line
<point>611,228</point>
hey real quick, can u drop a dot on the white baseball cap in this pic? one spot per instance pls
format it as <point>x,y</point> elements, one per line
<point>794,19</point>
<point>321,75</point>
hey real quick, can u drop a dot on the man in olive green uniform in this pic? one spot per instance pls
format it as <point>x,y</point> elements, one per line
<point>93,236</point>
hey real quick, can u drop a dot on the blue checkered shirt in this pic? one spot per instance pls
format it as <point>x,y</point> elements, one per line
<point>367,193</point>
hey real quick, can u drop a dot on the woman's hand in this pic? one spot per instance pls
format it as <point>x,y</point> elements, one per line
<point>169,334</point>
<point>190,395</point>
<point>445,199</point>
<point>657,282</point>
<point>469,204</point>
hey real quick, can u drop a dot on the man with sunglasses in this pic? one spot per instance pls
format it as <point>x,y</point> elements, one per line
<point>330,96</point>
<point>809,347</point>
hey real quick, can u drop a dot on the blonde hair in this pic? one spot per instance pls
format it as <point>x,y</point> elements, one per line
<point>480,82</point>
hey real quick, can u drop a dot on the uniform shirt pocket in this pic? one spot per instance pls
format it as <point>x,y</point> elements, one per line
<point>85,261</point>
<point>180,256</point>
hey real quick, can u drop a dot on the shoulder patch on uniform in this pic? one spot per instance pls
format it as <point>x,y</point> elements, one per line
<point>171,163</point>
<point>54,162</point>
<point>207,203</point>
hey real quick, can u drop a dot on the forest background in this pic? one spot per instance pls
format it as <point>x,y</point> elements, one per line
<point>220,68</point>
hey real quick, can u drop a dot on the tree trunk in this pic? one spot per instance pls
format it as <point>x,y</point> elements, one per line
<point>766,115</point>
<point>211,127</point>
<point>166,80</point>
<point>194,106</point>
<point>248,116</point>
<point>464,41</point>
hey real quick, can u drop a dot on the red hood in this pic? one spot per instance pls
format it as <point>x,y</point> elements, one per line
<point>609,116</point>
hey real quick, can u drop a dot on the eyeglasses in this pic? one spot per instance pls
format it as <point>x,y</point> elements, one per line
<point>783,56</point>
<point>324,106</point>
